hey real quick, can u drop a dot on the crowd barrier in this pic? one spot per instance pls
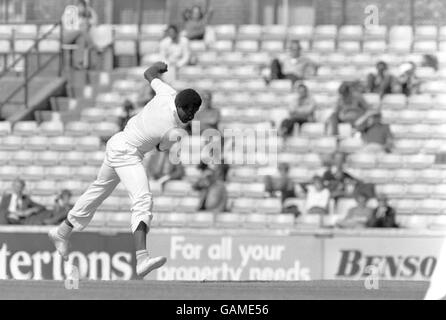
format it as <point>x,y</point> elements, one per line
<point>226,254</point>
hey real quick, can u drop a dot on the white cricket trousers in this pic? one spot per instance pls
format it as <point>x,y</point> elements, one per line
<point>122,162</point>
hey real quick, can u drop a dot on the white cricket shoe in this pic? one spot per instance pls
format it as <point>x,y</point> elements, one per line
<point>149,264</point>
<point>62,245</point>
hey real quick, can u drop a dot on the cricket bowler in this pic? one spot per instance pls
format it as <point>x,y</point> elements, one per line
<point>149,129</point>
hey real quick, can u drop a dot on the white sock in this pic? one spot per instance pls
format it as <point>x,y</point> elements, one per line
<point>64,231</point>
<point>141,255</point>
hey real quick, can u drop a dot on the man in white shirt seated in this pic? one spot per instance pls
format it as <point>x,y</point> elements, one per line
<point>154,127</point>
<point>317,197</point>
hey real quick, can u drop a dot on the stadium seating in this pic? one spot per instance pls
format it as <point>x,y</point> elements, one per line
<point>68,154</point>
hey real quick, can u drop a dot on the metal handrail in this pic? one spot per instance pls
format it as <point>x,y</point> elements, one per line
<point>24,56</point>
<point>34,46</point>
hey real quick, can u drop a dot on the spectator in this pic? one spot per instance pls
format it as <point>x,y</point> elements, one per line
<point>384,216</point>
<point>350,107</point>
<point>317,197</point>
<point>77,25</point>
<point>357,216</point>
<point>381,81</point>
<point>196,22</point>
<point>292,66</point>
<point>430,61</point>
<point>282,186</point>
<point>16,207</point>
<point>407,81</point>
<point>127,112</point>
<point>62,205</point>
<point>339,183</point>
<point>213,193</point>
<point>376,136</point>
<point>174,50</point>
<point>301,111</point>
<point>163,170</point>
<point>207,116</point>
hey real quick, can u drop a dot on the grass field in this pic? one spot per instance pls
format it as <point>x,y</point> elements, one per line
<point>180,290</point>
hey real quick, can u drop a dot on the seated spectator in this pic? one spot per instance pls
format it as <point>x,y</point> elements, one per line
<point>174,50</point>
<point>430,61</point>
<point>213,193</point>
<point>282,185</point>
<point>317,197</point>
<point>381,81</point>
<point>196,22</point>
<point>62,205</point>
<point>407,82</point>
<point>77,25</point>
<point>357,216</point>
<point>128,111</point>
<point>292,65</point>
<point>207,116</point>
<point>16,207</point>
<point>350,107</point>
<point>384,216</point>
<point>161,169</point>
<point>376,136</point>
<point>301,111</point>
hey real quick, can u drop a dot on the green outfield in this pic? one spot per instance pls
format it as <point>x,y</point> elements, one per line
<point>180,290</point>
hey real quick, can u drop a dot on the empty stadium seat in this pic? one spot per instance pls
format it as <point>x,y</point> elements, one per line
<point>325,32</point>
<point>105,129</point>
<point>324,46</point>
<point>362,160</point>
<point>232,220</point>
<point>22,157</point>
<point>47,158</point>
<point>36,143</point>
<point>165,204</point>
<point>60,172</point>
<point>249,32</point>
<point>425,46</point>
<point>350,32</point>
<point>189,204</point>
<point>51,128</point>
<point>300,32</point>
<point>247,46</point>
<point>201,219</point>
<point>225,31</point>
<point>174,219</point>
<point>272,46</point>
<point>255,220</point>
<point>32,173</point>
<point>86,173</point>
<point>177,188</point>
<point>374,46</point>
<point>5,128</point>
<point>349,46</point>
<point>421,191</point>
<point>25,128</point>
<point>391,190</point>
<point>152,31</point>
<point>61,143</point>
<point>77,128</point>
<point>6,31</point>
<point>375,32</point>
<point>87,143</point>
<point>94,158</point>
<point>11,143</point>
<point>298,144</point>
<point>222,46</point>
<point>244,205</point>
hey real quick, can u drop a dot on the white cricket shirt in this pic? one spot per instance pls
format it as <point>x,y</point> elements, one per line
<point>150,127</point>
